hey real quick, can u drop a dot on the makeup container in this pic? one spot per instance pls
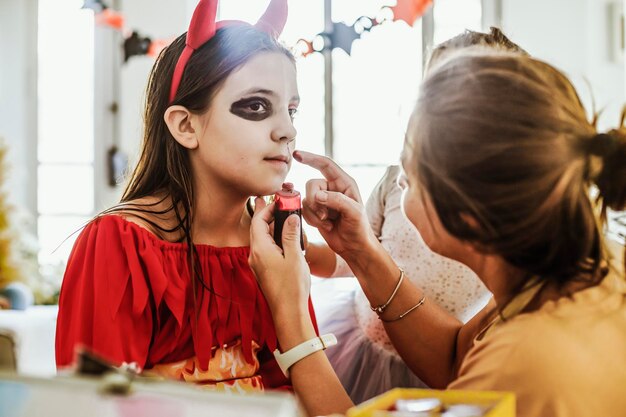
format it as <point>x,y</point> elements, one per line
<point>415,402</point>
<point>288,202</point>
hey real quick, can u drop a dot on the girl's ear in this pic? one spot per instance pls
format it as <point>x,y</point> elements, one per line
<point>178,120</point>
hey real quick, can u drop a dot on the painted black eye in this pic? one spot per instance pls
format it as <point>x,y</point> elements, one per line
<point>254,108</point>
<point>257,107</point>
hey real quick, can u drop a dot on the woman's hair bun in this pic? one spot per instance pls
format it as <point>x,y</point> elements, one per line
<point>610,179</point>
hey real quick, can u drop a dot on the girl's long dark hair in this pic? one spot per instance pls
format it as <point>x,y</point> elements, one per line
<point>163,168</point>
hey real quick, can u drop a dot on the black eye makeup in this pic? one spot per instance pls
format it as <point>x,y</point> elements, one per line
<point>252,108</point>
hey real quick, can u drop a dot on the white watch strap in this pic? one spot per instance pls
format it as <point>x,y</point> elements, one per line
<point>293,355</point>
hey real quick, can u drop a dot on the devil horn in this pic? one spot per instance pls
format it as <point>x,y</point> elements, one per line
<point>274,19</point>
<point>202,25</point>
<point>201,28</point>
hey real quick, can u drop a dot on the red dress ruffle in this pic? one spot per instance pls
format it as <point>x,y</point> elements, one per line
<point>128,297</point>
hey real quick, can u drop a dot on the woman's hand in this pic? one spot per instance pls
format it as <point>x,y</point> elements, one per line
<point>334,206</point>
<point>283,274</point>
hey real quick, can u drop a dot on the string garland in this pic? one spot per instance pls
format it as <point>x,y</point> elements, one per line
<point>342,35</point>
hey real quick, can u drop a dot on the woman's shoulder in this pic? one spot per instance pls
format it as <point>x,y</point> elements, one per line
<point>547,357</point>
<point>510,357</point>
<point>562,334</point>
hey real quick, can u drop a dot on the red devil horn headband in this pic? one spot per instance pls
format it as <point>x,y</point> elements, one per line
<point>203,27</point>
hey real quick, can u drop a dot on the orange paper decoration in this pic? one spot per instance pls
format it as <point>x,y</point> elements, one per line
<point>157,46</point>
<point>110,18</point>
<point>304,47</point>
<point>410,10</point>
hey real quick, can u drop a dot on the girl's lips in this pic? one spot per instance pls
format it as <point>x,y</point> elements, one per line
<point>278,162</point>
<point>278,158</point>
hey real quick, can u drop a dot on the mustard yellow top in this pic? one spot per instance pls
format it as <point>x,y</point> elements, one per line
<point>567,359</point>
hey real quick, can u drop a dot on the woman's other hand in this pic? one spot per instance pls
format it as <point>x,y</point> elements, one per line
<point>334,206</point>
<point>283,274</point>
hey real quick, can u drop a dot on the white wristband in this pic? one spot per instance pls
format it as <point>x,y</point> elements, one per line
<point>293,355</point>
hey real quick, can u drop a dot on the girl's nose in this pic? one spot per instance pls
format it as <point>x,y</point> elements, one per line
<point>285,130</point>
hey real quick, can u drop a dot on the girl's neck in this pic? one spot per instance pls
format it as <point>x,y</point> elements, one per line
<point>220,217</point>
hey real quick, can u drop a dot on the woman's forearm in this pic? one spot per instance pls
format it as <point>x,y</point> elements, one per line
<point>426,338</point>
<point>313,378</point>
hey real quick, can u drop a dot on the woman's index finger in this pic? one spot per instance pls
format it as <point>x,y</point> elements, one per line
<point>326,166</point>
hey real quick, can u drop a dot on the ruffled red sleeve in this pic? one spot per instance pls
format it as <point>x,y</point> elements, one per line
<point>128,296</point>
<point>104,297</point>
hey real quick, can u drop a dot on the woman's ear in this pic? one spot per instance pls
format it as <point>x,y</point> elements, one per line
<point>474,225</point>
<point>178,120</point>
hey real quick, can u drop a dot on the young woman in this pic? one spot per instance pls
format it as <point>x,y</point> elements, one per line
<point>162,280</point>
<point>499,158</point>
<point>366,361</point>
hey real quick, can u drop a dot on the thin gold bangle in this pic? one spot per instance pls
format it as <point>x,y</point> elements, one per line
<point>401,316</point>
<point>379,309</point>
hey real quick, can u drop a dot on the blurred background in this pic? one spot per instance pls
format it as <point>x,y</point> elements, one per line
<point>73,73</point>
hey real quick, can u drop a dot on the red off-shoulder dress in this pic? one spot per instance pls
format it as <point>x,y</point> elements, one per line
<point>128,297</point>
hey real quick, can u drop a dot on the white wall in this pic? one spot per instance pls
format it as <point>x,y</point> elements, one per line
<point>18,90</point>
<point>158,19</point>
<point>18,99</point>
<point>605,72</point>
<point>570,34</point>
<point>573,36</point>
<point>163,20</point>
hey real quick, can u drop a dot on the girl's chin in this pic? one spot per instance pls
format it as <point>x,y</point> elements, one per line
<point>269,189</point>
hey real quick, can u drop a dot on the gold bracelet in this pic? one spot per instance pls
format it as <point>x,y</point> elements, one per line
<point>419,303</point>
<point>379,309</point>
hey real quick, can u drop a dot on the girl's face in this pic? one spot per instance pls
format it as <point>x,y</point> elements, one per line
<point>247,136</point>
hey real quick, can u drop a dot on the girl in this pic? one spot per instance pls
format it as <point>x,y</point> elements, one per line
<point>162,279</point>
<point>499,158</point>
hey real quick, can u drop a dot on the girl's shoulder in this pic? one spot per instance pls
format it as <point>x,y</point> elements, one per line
<point>125,231</point>
<point>130,232</point>
<point>153,214</point>
<point>114,234</point>
<point>121,224</point>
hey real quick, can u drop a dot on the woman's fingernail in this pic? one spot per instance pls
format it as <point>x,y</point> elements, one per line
<point>297,156</point>
<point>293,220</point>
<point>321,214</point>
<point>321,196</point>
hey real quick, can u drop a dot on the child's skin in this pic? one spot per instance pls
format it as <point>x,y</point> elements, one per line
<point>240,147</point>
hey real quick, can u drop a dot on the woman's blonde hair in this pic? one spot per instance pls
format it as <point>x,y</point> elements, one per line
<point>495,39</point>
<point>504,138</point>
